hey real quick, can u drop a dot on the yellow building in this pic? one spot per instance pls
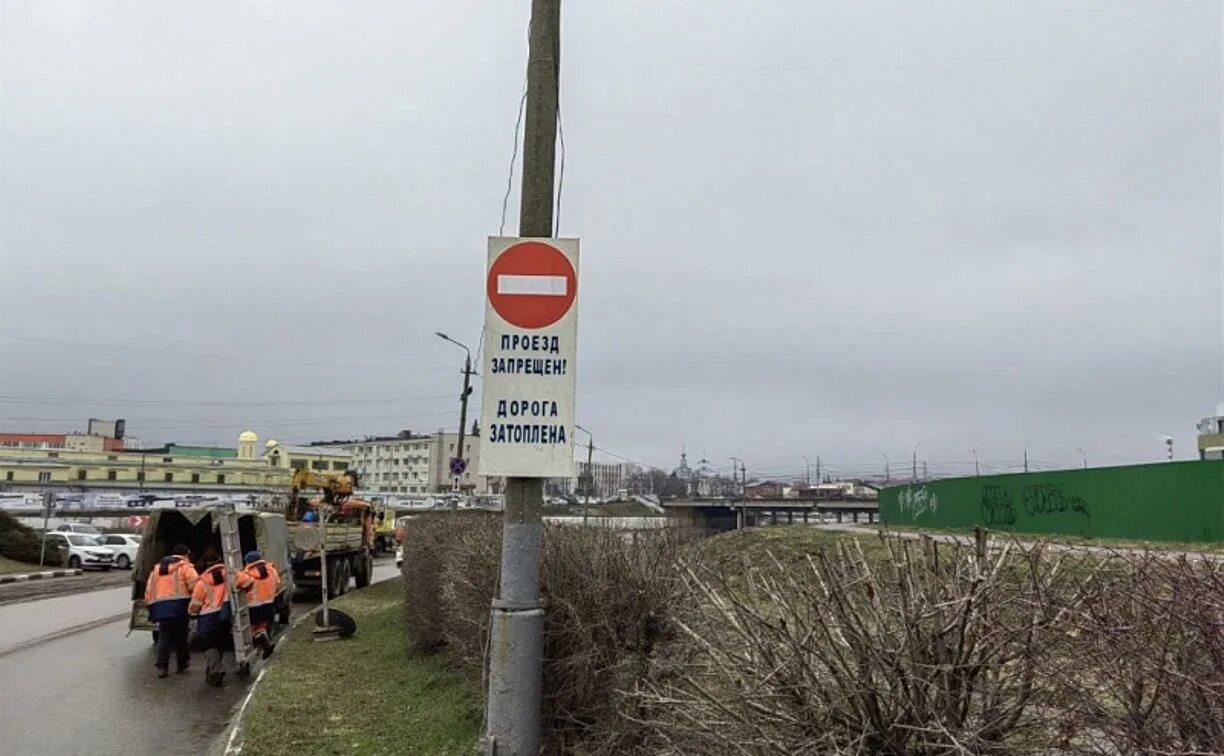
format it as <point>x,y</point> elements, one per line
<point>170,467</point>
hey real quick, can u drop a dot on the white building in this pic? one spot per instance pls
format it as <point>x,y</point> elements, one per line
<point>1211,435</point>
<point>410,463</point>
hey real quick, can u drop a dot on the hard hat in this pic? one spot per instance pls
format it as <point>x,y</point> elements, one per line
<point>251,556</point>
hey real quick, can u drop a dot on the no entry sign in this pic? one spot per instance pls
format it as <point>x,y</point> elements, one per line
<point>530,349</point>
<point>532,284</point>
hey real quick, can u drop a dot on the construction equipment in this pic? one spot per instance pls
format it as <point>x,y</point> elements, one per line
<point>231,551</point>
<point>330,552</point>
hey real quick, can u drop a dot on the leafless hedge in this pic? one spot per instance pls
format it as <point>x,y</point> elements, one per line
<point>937,650</point>
<point>608,596</point>
<point>889,647</point>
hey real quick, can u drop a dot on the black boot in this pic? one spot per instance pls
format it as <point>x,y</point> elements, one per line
<point>163,670</point>
<point>183,667</point>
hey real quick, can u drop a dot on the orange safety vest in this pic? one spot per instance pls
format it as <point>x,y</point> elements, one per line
<point>210,599</point>
<point>261,595</point>
<point>168,589</point>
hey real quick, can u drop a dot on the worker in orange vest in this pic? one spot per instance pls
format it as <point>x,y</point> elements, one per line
<point>261,597</point>
<point>210,605</point>
<point>167,595</point>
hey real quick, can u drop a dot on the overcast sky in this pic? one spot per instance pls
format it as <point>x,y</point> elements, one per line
<point>834,229</point>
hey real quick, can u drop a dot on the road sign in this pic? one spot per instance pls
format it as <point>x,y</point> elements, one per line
<point>457,466</point>
<point>530,350</point>
<point>137,521</point>
<point>532,284</point>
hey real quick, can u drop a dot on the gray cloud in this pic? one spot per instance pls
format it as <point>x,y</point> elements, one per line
<point>806,229</point>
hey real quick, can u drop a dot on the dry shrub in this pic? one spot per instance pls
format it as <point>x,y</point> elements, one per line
<point>934,650</point>
<point>910,648</point>
<point>607,596</point>
<point>943,650</point>
<point>1146,673</point>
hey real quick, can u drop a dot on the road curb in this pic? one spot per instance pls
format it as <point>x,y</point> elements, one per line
<point>47,575</point>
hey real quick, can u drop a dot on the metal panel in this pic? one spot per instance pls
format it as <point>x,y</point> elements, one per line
<point>1171,501</point>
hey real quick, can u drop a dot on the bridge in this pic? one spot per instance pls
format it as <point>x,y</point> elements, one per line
<point>720,515</point>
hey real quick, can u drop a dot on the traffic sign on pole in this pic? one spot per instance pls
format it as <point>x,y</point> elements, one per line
<point>530,350</point>
<point>457,466</point>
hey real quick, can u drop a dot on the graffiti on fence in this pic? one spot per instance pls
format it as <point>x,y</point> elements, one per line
<point>1048,498</point>
<point>917,501</point>
<point>997,509</point>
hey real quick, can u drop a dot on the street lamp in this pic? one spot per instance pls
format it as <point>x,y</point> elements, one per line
<point>735,460</point>
<point>742,520</point>
<point>463,400</point>
<point>976,469</point>
<point>586,502</point>
<point>887,475</point>
<point>809,469</point>
<point>1085,456</point>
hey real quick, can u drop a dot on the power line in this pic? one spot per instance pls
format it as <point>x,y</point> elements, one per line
<point>347,365</point>
<point>58,400</point>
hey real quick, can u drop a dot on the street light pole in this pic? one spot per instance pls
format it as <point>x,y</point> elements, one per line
<point>586,502</point>
<point>463,402</point>
<point>887,476</point>
<point>809,470</point>
<point>1085,456</point>
<point>976,470</point>
<point>743,516</point>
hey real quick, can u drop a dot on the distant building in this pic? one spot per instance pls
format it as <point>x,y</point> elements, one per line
<point>71,441</point>
<point>412,463</point>
<point>1211,435</point>
<point>80,461</point>
<point>764,490</point>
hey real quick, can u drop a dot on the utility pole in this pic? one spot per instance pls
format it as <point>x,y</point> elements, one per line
<point>463,401</point>
<point>516,653</point>
<point>818,478</point>
<point>887,475</point>
<point>586,502</point>
<point>1026,459</point>
<point>808,477</point>
<point>976,470</point>
<point>48,503</point>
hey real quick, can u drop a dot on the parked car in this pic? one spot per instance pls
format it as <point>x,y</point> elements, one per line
<point>78,527</point>
<point>399,555</point>
<point>125,547</point>
<point>84,551</point>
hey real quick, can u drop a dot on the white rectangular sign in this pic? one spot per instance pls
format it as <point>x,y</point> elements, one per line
<point>529,365</point>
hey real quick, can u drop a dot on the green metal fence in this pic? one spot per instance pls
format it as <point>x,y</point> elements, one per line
<point>1171,501</point>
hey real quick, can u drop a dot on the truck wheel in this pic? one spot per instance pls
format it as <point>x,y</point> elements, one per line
<point>365,570</point>
<point>346,572</point>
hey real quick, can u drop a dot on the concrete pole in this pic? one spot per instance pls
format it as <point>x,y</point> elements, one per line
<point>516,648</point>
<point>48,503</point>
<point>586,504</point>
<point>463,400</point>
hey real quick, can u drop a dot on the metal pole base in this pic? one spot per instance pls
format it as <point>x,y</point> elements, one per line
<point>516,648</point>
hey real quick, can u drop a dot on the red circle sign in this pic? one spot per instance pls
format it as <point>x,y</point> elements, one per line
<point>532,285</point>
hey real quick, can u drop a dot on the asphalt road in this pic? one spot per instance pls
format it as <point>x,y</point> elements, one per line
<point>95,690</point>
<point>11,593</point>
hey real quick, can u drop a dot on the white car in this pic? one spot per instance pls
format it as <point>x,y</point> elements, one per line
<point>125,547</point>
<point>84,551</point>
